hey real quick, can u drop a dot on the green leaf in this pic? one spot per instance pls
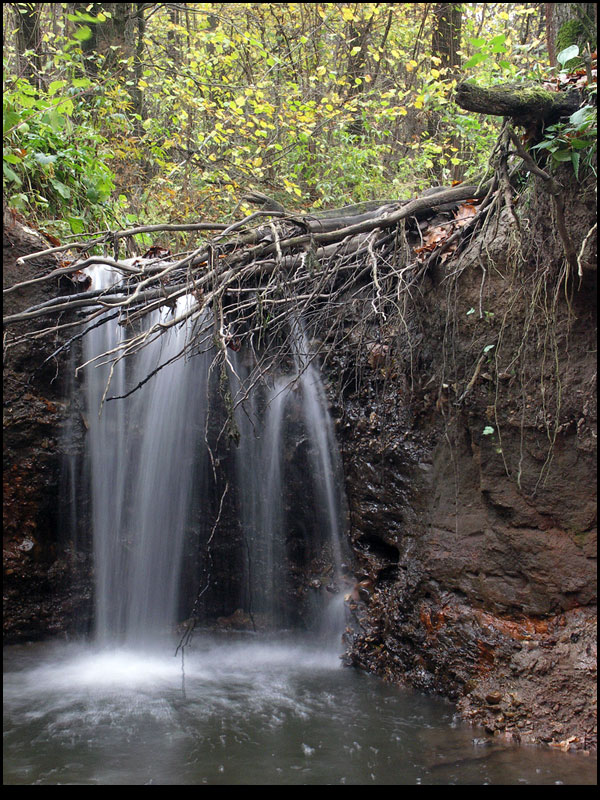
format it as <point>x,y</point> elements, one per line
<point>476,59</point>
<point>547,144</point>
<point>60,187</point>
<point>581,116</point>
<point>487,348</point>
<point>77,224</point>
<point>11,118</point>
<point>580,144</point>
<point>55,119</point>
<point>562,155</point>
<point>26,100</point>
<point>575,156</point>
<point>55,86</point>
<point>10,175</point>
<point>488,430</point>
<point>83,34</point>
<point>567,54</point>
<point>44,158</point>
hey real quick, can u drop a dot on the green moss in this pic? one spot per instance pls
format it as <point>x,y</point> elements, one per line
<point>571,32</point>
<point>575,31</point>
<point>533,93</point>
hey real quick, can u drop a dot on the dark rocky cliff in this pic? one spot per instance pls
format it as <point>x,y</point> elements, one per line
<point>46,588</point>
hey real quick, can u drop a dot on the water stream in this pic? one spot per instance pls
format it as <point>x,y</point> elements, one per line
<point>254,712</point>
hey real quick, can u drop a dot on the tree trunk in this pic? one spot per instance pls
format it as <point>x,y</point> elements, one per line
<point>29,40</point>
<point>570,23</point>
<point>445,46</point>
<point>445,43</point>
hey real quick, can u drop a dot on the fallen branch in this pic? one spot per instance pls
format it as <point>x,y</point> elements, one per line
<point>521,103</point>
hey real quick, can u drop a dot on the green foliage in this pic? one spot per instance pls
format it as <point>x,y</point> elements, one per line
<point>51,162</point>
<point>574,141</point>
<point>496,46</point>
<point>317,104</point>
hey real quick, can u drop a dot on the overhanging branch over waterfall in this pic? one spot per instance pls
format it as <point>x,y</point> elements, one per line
<point>252,278</point>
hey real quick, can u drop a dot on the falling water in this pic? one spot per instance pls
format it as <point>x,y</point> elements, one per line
<point>145,452</point>
<point>142,455</point>
<point>291,500</point>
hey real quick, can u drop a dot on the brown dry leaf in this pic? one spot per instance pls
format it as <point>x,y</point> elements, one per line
<point>464,213</point>
<point>52,239</point>
<point>448,252</point>
<point>378,354</point>
<point>433,238</point>
<point>157,251</point>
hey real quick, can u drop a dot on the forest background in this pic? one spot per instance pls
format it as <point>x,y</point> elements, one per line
<point>118,114</point>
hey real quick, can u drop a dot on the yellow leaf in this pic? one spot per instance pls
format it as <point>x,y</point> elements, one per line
<point>435,73</point>
<point>348,14</point>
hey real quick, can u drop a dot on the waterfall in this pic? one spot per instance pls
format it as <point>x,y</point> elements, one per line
<point>145,455</point>
<point>142,455</point>
<point>290,483</point>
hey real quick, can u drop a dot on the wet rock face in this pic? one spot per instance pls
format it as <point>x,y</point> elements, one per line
<point>45,588</point>
<point>471,480</point>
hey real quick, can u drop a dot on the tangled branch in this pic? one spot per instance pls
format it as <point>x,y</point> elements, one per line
<point>255,277</point>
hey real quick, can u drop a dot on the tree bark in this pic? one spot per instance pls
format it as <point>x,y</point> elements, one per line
<point>29,40</point>
<point>446,33</point>
<point>522,104</point>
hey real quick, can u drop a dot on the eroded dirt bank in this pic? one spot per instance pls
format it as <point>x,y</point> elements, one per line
<point>46,586</point>
<point>470,453</point>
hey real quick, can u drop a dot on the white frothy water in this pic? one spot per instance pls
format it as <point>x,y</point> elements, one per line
<point>142,453</point>
<point>289,412</point>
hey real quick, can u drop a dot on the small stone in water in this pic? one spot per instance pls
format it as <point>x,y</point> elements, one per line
<point>493,698</point>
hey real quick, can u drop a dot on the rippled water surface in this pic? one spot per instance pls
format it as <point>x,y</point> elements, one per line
<point>241,713</point>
